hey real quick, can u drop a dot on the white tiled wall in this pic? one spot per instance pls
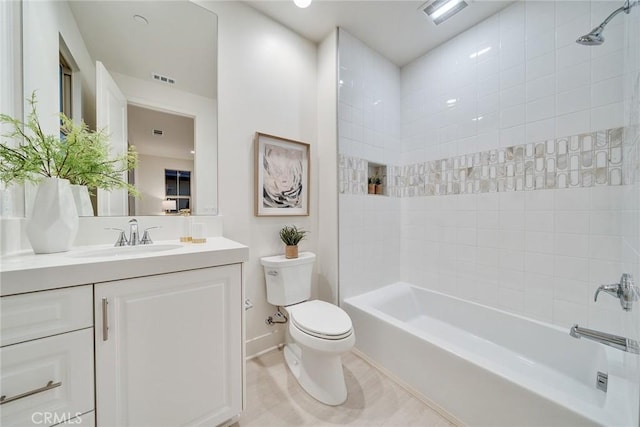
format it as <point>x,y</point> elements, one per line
<point>517,77</point>
<point>369,243</point>
<point>368,103</point>
<point>540,254</point>
<point>368,128</point>
<point>630,215</point>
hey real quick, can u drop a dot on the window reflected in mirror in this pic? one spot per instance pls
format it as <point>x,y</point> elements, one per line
<point>178,189</point>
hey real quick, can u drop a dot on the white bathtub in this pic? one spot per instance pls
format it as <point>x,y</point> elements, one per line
<point>488,367</point>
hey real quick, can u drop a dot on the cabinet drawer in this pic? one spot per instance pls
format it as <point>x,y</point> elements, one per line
<point>41,314</point>
<point>66,359</point>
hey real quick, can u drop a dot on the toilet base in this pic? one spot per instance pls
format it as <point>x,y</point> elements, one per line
<point>319,374</point>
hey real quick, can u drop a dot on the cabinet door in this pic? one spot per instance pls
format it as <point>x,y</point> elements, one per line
<point>169,349</point>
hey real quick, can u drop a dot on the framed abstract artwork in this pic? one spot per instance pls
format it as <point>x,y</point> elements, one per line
<point>282,176</point>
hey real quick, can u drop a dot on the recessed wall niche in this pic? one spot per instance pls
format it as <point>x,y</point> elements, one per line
<point>376,178</point>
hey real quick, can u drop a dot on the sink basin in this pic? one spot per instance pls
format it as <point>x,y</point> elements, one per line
<point>123,251</point>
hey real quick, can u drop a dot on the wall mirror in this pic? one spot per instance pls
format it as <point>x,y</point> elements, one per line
<point>147,71</point>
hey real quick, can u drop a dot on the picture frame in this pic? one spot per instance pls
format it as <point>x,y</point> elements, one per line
<point>282,178</point>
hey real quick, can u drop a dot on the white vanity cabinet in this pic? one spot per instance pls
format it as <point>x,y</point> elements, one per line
<point>168,348</point>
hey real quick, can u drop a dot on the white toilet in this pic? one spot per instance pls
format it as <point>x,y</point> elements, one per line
<point>319,332</point>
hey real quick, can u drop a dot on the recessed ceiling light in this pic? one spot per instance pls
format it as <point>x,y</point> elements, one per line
<point>441,10</point>
<point>140,19</point>
<point>302,3</point>
<point>451,102</point>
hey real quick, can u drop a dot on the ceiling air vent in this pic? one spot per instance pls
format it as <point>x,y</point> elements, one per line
<point>441,10</point>
<point>158,132</point>
<point>163,79</point>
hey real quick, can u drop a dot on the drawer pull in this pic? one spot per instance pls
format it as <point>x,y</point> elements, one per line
<point>105,319</point>
<point>50,385</point>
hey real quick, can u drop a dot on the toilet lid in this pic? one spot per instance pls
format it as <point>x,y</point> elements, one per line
<point>321,319</point>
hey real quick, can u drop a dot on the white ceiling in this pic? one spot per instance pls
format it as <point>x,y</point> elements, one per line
<point>177,141</point>
<point>395,28</point>
<point>180,40</point>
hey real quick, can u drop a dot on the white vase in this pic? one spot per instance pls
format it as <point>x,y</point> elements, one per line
<point>83,202</point>
<point>53,223</point>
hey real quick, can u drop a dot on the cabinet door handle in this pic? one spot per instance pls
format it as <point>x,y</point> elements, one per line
<point>49,386</point>
<point>105,319</point>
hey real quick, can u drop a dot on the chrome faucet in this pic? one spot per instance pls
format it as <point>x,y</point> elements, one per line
<point>134,235</point>
<point>626,291</point>
<point>134,240</point>
<point>615,341</point>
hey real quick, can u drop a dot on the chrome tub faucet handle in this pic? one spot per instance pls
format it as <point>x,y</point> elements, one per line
<point>625,291</point>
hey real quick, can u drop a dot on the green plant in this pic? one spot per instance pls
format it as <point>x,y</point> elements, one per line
<point>291,235</point>
<point>80,155</point>
<point>375,179</point>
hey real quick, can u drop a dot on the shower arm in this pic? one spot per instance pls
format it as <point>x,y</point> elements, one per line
<point>626,8</point>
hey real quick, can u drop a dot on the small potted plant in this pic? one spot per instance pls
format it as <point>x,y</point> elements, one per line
<point>80,156</point>
<point>291,236</point>
<point>378,183</point>
<point>371,189</point>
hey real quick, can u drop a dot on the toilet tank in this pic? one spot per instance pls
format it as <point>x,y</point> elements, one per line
<point>288,280</point>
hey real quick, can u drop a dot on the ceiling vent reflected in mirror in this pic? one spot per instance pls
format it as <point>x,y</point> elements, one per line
<point>163,79</point>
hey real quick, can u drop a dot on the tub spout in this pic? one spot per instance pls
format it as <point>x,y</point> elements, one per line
<point>615,341</point>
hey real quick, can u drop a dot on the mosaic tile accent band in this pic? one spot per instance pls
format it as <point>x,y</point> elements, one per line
<point>586,160</point>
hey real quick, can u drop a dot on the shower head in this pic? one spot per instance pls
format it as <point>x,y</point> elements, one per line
<point>595,37</point>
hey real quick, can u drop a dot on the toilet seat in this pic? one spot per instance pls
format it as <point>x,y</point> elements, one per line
<point>321,320</point>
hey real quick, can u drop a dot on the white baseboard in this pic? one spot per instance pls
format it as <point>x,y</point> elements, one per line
<point>257,346</point>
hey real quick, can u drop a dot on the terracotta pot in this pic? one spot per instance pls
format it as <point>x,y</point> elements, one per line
<point>379,189</point>
<point>291,251</point>
<point>372,189</point>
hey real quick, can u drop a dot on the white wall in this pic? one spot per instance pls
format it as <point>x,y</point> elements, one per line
<point>11,198</point>
<point>267,83</point>
<point>151,180</point>
<point>327,266</point>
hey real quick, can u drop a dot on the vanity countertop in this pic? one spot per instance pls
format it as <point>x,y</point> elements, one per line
<point>26,272</point>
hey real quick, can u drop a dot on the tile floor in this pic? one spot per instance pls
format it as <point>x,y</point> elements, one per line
<point>274,398</point>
